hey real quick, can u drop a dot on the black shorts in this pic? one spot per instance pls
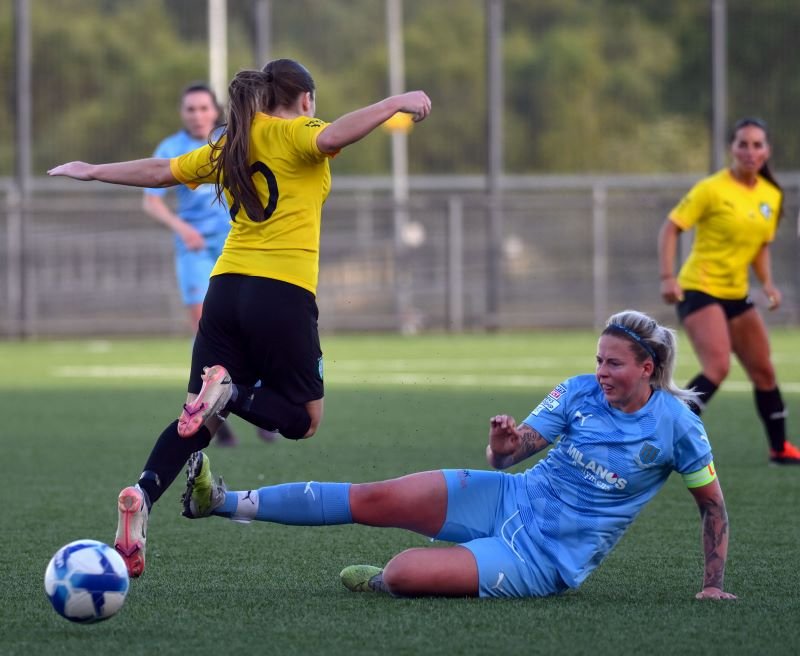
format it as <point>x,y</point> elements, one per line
<point>694,300</point>
<point>260,329</point>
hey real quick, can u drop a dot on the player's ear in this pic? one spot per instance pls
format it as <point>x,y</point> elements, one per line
<point>648,368</point>
<point>306,101</point>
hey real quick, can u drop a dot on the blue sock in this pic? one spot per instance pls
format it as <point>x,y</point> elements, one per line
<point>298,504</point>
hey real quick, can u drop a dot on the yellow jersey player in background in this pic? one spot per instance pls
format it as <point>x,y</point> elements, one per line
<point>259,319</point>
<point>735,213</point>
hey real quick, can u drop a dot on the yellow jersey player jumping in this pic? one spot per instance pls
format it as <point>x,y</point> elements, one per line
<point>259,319</point>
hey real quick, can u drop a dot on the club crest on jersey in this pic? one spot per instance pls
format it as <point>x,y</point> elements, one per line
<point>766,210</point>
<point>647,455</point>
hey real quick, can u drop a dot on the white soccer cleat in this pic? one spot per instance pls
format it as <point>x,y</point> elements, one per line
<point>212,399</point>
<point>132,529</point>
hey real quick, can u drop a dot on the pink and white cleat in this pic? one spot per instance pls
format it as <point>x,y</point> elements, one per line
<point>132,529</point>
<point>213,397</point>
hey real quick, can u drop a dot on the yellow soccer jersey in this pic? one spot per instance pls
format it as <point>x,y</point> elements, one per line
<point>732,223</point>
<point>292,178</point>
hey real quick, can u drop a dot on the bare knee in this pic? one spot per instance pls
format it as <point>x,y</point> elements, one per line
<point>312,427</point>
<point>717,369</point>
<point>400,576</point>
<point>315,411</point>
<point>763,376</point>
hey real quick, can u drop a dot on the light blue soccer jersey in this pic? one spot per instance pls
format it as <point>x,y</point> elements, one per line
<point>605,467</point>
<point>199,207</point>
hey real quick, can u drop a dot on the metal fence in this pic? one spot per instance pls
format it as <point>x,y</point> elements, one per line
<point>574,249</point>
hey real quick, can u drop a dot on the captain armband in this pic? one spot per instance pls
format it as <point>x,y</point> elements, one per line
<point>701,477</point>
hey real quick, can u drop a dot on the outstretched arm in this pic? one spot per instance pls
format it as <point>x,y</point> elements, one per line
<point>151,172</point>
<point>358,124</point>
<point>714,518</point>
<point>509,444</point>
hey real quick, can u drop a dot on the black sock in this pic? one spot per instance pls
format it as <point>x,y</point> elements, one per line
<point>271,411</point>
<point>705,388</point>
<point>169,455</point>
<point>773,414</point>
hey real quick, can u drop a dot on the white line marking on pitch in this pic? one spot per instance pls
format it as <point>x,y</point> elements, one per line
<point>373,377</point>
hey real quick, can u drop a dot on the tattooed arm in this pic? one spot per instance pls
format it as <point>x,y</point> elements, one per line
<point>509,444</point>
<point>714,518</point>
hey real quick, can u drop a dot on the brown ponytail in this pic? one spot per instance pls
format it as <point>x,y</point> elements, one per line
<point>277,85</point>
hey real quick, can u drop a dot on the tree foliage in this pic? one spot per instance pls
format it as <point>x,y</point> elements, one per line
<point>590,85</point>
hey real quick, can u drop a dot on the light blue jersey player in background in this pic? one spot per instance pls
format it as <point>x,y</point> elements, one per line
<point>199,223</point>
<point>617,436</point>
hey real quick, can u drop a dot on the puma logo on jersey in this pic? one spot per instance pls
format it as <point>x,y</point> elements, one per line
<point>582,417</point>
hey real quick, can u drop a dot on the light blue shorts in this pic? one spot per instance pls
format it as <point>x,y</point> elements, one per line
<point>193,268</point>
<point>483,515</point>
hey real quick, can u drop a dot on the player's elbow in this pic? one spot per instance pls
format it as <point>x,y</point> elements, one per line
<point>161,174</point>
<point>329,141</point>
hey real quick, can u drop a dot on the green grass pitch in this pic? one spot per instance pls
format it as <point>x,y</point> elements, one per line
<point>78,419</point>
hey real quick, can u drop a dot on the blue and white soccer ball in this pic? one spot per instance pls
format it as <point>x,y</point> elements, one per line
<point>86,581</point>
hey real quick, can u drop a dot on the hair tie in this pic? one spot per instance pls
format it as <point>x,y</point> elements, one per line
<point>268,77</point>
<point>636,338</point>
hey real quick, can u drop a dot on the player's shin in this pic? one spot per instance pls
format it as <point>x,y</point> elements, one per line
<point>299,504</point>
<point>167,458</point>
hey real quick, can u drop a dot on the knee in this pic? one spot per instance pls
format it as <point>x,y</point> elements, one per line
<point>315,419</point>
<point>312,427</point>
<point>763,376</point>
<point>399,577</point>
<point>717,370</point>
<point>302,425</point>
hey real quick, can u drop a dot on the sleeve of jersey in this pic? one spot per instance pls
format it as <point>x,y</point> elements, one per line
<point>161,151</point>
<point>304,131</point>
<point>691,208</point>
<point>193,168</point>
<point>692,450</point>
<point>549,418</point>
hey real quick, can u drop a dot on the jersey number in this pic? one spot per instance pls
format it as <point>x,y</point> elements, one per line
<point>272,192</point>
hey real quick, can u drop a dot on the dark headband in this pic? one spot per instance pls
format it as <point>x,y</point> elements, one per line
<point>636,338</point>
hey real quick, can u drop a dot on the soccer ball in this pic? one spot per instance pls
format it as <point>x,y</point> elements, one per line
<point>86,581</point>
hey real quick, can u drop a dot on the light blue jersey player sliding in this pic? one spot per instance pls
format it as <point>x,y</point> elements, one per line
<point>617,435</point>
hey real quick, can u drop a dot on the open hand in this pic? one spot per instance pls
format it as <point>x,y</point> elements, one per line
<point>76,170</point>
